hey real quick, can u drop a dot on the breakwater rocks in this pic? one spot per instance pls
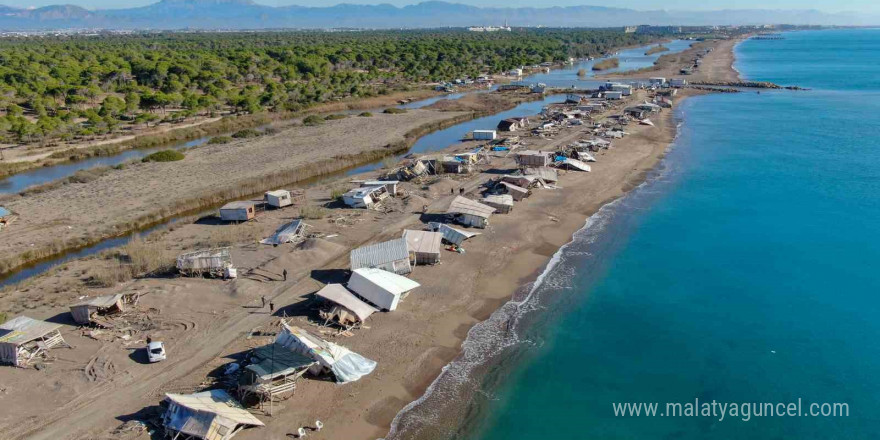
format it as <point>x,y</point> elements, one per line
<point>746,84</point>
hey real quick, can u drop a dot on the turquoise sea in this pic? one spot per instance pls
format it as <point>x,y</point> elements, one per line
<point>744,270</point>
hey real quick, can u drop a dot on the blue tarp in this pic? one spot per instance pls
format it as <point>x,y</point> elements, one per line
<point>500,148</point>
<point>560,158</point>
<point>4,212</point>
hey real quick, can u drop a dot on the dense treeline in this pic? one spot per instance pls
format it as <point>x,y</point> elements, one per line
<point>71,87</point>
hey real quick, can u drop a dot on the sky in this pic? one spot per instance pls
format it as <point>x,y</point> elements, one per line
<point>822,5</point>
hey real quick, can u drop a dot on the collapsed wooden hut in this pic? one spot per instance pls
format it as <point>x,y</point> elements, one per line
<point>272,373</point>
<point>293,232</point>
<point>522,181</point>
<point>215,262</point>
<point>209,415</point>
<point>95,310</point>
<point>452,235</point>
<point>572,164</point>
<point>347,310</point>
<point>24,339</point>
<point>344,364</point>
<point>469,212</point>
<point>503,203</point>
<point>424,246</point>
<point>546,174</point>
<point>517,192</point>
<point>365,197</point>
<point>382,288</point>
<point>392,255</point>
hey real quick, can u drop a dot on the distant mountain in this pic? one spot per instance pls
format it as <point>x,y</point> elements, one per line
<point>246,14</point>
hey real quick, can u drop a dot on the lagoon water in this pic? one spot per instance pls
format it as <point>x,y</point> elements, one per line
<point>743,270</point>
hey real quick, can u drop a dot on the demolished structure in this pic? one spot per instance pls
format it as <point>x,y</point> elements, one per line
<point>93,310</point>
<point>452,235</point>
<point>382,288</point>
<point>215,262</point>
<point>272,373</point>
<point>347,310</point>
<point>469,212</point>
<point>209,415</point>
<point>293,232</point>
<point>344,364</point>
<point>23,340</point>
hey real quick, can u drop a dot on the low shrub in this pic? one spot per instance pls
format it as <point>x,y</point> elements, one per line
<point>164,156</point>
<point>246,133</point>
<point>395,110</point>
<point>366,115</point>
<point>219,140</point>
<point>335,117</point>
<point>313,120</point>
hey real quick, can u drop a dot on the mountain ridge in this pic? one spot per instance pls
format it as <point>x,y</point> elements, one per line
<point>247,14</point>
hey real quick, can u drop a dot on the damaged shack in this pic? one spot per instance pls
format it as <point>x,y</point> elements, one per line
<point>209,415</point>
<point>95,310</point>
<point>344,364</point>
<point>392,255</point>
<point>214,262</point>
<point>469,212</point>
<point>346,310</point>
<point>24,339</point>
<point>272,373</point>
<point>365,197</point>
<point>382,288</point>
<point>293,232</point>
<point>424,246</point>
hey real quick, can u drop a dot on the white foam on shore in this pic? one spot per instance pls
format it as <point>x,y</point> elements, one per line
<point>491,337</point>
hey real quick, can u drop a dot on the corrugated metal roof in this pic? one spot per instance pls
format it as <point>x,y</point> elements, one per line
<point>450,234</point>
<point>216,402</point>
<point>380,253</point>
<point>503,199</point>
<point>545,173</point>
<point>423,242</point>
<point>388,281</point>
<point>285,234</point>
<point>273,360</point>
<point>22,329</point>
<point>340,295</point>
<point>576,164</point>
<point>462,205</point>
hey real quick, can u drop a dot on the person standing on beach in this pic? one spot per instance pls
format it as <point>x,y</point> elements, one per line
<point>284,273</point>
<point>263,300</point>
<point>271,308</point>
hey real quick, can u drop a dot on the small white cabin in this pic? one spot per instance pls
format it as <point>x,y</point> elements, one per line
<point>613,95</point>
<point>278,198</point>
<point>485,135</point>
<point>677,82</point>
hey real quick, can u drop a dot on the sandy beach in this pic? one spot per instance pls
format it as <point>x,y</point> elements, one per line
<point>208,323</point>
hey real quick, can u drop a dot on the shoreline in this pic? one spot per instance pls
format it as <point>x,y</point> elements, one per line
<point>533,282</point>
<point>414,345</point>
